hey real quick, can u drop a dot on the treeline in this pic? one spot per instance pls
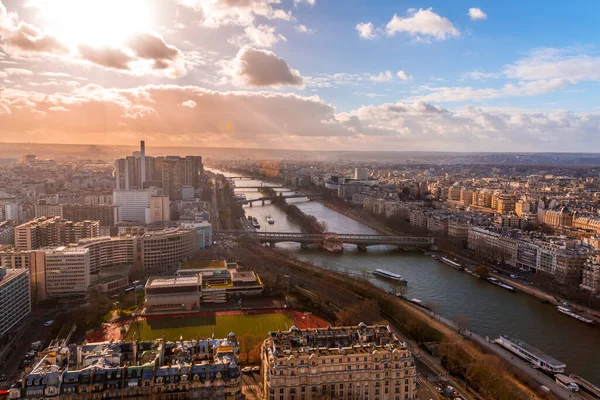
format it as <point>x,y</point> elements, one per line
<point>308,223</point>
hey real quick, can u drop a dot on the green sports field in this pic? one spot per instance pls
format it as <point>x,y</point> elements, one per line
<point>172,328</point>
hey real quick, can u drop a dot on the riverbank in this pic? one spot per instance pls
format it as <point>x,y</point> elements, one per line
<point>350,290</point>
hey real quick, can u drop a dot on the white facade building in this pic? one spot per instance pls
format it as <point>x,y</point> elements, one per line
<point>67,271</point>
<point>158,209</point>
<point>15,299</point>
<point>132,204</point>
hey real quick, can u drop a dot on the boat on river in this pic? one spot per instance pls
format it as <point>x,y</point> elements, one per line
<point>570,313</point>
<point>382,273</point>
<point>532,354</point>
<point>501,284</point>
<point>332,243</point>
<point>451,263</point>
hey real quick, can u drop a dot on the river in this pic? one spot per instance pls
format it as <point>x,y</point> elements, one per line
<point>490,310</point>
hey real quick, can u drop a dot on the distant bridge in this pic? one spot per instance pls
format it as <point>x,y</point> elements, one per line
<point>261,187</point>
<point>362,241</point>
<point>245,177</point>
<point>291,196</point>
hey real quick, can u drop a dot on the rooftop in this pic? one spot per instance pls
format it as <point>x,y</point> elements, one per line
<point>177,281</point>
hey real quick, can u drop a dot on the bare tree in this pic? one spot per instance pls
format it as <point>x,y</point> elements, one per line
<point>462,322</point>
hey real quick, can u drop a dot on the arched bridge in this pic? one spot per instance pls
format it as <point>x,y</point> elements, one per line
<point>360,240</point>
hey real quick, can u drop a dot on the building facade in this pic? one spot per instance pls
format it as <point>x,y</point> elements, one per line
<point>15,298</point>
<point>360,362</point>
<point>54,231</point>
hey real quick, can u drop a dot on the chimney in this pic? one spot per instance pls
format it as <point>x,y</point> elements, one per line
<point>143,163</point>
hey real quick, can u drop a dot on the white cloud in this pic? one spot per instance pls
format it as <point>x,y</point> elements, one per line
<point>303,29</point>
<point>422,25</point>
<point>366,30</point>
<point>467,93</point>
<point>476,14</point>
<point>258,36</point>
<point>55,74</point>
<point>189,104</point>
<point>215,13</point>
<point>403,76</point>
<point>309,2</point>
<point>555,64</point>
<point>382,77</point>
<point>479,75</point>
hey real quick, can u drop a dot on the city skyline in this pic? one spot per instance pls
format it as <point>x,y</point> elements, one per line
<point>301,74</point>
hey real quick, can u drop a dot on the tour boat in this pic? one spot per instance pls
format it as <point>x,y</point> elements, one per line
<point>332,243</point>
<point>502,285</point>
<point>570,313</point>
<point>451,263</point>
<point>388,275</point>
<point>534,355</point>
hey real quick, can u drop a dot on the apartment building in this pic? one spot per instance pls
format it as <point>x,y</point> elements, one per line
<point>193,369</point>
<point>67,271</point>
<point>590,274</point>
<point>106,252</point>
<point>359,362</point>
<point>497,244</point>
<point>48,210</point>
<point>163,251</point>
<point>107,215</point>
<point>158,210</point>
<point>7,232</point>
<point>15,298</point>
<point>54,231</point>
<point>506,203</point>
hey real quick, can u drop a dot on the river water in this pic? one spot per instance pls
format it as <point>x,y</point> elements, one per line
<point>490,310</point>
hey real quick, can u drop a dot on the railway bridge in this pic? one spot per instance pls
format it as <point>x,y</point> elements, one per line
<point>360,240</point>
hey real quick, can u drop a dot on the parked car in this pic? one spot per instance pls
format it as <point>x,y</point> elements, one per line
<point>256,368</point>
<point>48,323</point>
<point>246,370</point>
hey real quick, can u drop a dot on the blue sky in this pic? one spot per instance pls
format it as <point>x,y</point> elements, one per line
<point>356,74</point>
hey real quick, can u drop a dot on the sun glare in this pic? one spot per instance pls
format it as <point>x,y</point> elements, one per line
<point>94,22</point>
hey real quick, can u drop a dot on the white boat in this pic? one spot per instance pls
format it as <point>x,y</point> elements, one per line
<point>570,313</point>
<point>501,284</point>
<point>451,263</point>
<point>388,275</point>
<point>270,220</point>
<point>532,354</point>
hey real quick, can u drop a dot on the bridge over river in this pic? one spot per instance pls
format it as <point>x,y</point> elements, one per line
<point>361,240</point>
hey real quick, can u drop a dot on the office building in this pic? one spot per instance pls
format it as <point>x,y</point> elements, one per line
<point>15,299</point>
<point>67,271</point>
<point>358,362</point>
<point>188,369</point>
<point>132,204</point>
<point>203,232</point>
<point>7,233</point>
<point>47,232</point>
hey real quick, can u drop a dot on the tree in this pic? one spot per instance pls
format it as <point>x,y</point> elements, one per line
<point>399,288</point>
<point>483,271</point>
<point>366,311</point>
<point>247,343</point>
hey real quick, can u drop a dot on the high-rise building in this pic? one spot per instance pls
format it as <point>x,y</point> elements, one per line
<point>158,210</point>
<point>46,232</point>
<point>132,204</point>
<point>359,362</point>
<point>15,299</point>
<point>142,164</point>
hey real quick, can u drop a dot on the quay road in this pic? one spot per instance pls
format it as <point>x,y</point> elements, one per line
<point>347,238</point>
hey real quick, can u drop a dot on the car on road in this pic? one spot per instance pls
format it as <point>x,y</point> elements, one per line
<point>48,323</point>
<point>246,370</point>
<point>256,368</point>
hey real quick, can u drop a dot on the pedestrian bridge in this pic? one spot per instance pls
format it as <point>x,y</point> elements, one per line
<point>347,238</point>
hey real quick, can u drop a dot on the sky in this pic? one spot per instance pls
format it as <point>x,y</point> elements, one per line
<point>389,75</point>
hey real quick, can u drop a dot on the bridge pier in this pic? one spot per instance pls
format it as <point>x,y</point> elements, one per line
<point>361,247</point>
<point>272,244</point>
<point>263,202</point>
<point>250,204</point>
